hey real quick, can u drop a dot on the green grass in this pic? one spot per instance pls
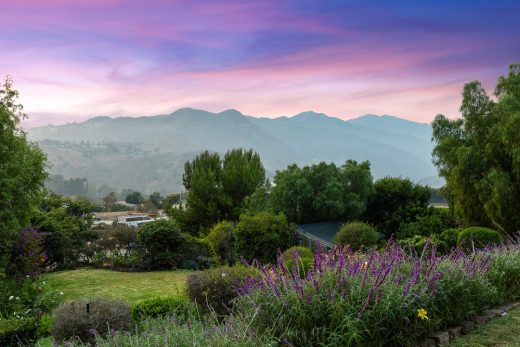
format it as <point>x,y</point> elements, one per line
<point>503,331</point>
<point>129,286</point>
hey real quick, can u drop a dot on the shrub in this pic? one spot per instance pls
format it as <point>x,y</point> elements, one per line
<point>450,236</point>
<point>84,320</point>
<point>260,236</point>
<point>181,308</point>
<point>28,255</point>
<point>376,298</point>
<point>161,244</point>
<point>16,332</point>
<point>356,235</point>
<point>303,252</point>
<point>214,289</point>
<point>478,237</point>
<point>434,221</point>
<point>221,239</point>
<point>303,265</point>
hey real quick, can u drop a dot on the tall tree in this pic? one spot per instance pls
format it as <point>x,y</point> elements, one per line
<point>242,174</point>
<point>22,171</point>
<point>322,191</point>
<point>396,201</point>
<point>217,188</point>
<point>479,155</point>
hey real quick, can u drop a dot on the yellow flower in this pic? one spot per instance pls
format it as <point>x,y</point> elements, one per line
<point>421,313</point>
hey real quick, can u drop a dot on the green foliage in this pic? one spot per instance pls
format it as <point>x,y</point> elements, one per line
<point>66,224</point>
<point>303,252</point>
<point>479,155</point>
<point>214,289</point>
<point>169,332</point>
<point>22,171</point>
<point>357,235</point>
<point>322,191</point>
<point>217,188</point>
<point>156,200</point>
<point>261,236</point>
<point>450,236</point>
<point>176,306</point>
<point>221,239</point>
<point>134,198</point>
<point>396,202</point>
<point>28,255</point>
<point>162,245</point>
<point>432,221</point>
<point>478,237</point>
<point>86,319</point>
<point>16,332</point>
<point>301,266</point>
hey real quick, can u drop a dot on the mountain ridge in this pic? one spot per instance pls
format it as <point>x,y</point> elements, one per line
<point>126,152</point>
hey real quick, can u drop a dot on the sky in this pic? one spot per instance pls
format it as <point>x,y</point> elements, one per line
<point>75,59</point>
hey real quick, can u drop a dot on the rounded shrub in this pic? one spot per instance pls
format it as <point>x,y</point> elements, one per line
<point>477,237</point>
<point>180,307</point>
<point>450,236</point>
<point>356,235</point>
<point>221,240</point>
<point>86,319</point>
<point>303,252</point>
<point>303,265</point>
<point>214,289</point>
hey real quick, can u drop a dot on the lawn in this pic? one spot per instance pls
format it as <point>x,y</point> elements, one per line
<point>129,286</point>
<point>503,331</point>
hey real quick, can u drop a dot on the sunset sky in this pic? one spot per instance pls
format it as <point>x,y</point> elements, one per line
<point>75,59</point>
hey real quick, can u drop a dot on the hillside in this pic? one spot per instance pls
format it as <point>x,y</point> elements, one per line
<point>148,153</point>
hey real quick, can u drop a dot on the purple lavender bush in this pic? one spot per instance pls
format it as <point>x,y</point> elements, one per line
<point>391,298</point>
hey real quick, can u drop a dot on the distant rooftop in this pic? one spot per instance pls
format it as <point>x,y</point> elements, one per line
<point>322,232</point>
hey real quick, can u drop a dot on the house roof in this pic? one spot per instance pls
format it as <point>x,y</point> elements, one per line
<point>322,232</point>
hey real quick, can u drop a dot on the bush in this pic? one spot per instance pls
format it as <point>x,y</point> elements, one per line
<point>17,332</point>
<point>303,265</point>
<point>477,237</point>
<point>72,320</point>
<point>450,236</point>
<point>181,308</point>
<point>434,221</point>
<point>356,235</point>
<point>303,252</point>
<point>221,239</point>
<point>162,245</point>
<point>377,298</point>
<point>262,235</point>
<point>214,289</point>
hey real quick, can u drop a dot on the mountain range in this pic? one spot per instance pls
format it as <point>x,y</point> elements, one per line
<point>148,153</point>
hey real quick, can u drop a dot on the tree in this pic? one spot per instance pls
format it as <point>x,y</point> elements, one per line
<point>66,225</point>
<point>261,236</point>
<point>217,189</point>
<point>242,174</point>
<point>22,171</point>
<point>222,242</point>
<point>110,201</point>
<point>172,199</point>
<point>135,198</point>
<point>395,202</point>
<point>162,245</point>
<point>479,155</point>
<point>322,192</point>
<point>157,200</point>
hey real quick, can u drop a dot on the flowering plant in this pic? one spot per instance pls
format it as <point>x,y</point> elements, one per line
<point>392,297</point>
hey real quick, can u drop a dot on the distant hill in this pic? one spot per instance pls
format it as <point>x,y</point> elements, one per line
<point>148,153</point>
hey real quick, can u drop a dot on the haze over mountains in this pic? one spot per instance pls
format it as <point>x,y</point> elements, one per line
<point>148,153</point>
